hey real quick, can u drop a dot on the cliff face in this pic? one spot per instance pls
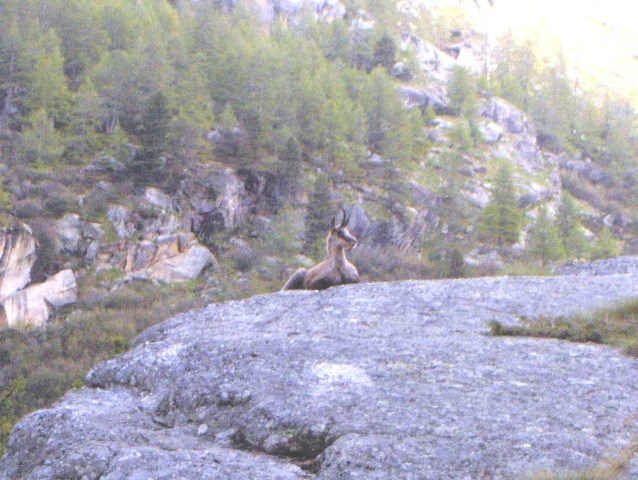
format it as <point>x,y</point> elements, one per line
<point>365,381</point>
<point>17,255</point>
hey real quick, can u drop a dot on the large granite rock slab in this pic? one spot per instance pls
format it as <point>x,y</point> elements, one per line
<point>373,381</point>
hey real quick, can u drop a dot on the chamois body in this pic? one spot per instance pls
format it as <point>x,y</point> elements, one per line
<point>335,269</point>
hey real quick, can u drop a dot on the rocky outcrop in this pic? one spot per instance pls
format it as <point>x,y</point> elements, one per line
<point>17,256</point>
<point>268,10</point>
<point>436,63</point>
<point>23,304</point>
<point>184,266</point>
<point>35,304</point>
<point>366,381</point>
<point>609,266</point>
<point>517,134</point>
<point>170,258</point>
<point>585,168</point>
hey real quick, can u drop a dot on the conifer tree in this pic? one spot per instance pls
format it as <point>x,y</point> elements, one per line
<point>153,133</point>
<point>544,241</point>
<point>502,219</point>
<point>570,229</point>
<point>605,246</point>
<point>319,212</point>
<point>49,89</point>
<point>462,92</point>
<point>289,165</point>
<point>385,50</point>
<point>41,143</point>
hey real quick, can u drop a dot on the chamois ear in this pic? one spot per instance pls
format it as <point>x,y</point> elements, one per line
<point>333,223</point>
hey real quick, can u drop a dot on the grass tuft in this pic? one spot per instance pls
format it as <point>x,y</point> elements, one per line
<point>616,326</point>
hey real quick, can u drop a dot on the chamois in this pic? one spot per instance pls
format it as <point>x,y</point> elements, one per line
<point>335,269</point>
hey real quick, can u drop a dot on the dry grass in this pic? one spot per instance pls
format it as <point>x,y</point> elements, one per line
<point>611,468</point>
<point>616,326</point>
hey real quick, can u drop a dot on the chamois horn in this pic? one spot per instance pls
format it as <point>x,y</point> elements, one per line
<point>346,218</point>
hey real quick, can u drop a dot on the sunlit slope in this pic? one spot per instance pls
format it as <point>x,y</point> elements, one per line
<point>599,38</point>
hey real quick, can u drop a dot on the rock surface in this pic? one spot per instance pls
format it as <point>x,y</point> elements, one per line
<point>17,256</point>
<point>34,305</point>
<point>369,381</point>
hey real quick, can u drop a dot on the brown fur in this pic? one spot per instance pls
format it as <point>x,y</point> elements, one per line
<point>335,269</point>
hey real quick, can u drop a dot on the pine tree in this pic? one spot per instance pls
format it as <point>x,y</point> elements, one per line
<point>319,212</point>
<point>385,50</point>
<point>544,241</point>
<point>49,89</point>
<point>502,219</point>
<point>605,246</point>
<point>462,91</point>
<point>570,229</point>
<point>153,135</point>
<point>289,166</point>
<point>40,142</point>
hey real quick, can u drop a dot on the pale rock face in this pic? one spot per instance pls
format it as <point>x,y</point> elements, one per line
<point>17,255</point>
<point>34,305</point>
<point>490,131</point>
<point>157,198</point>
<point>183,267</point>
<point>268,10</point>
<point>68,233</point>
<point>119,217</point>
<point>171,258</point>
<point>431,59</point>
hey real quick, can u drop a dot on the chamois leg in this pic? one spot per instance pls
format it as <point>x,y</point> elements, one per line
<point>296,281</point>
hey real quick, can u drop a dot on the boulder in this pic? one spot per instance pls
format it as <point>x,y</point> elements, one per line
<point>157,198</point>
<point>119,216</point>
<point>17,256</point>
<point>490,132</point>
<point>435,62</point>
<point>185,266</point>
<point>505,114</point>
<point>174,257</point>
<point>34,305</point>
<point>431,96</point>
<point>368,381</point>
<point>68,232</point>
<point>325,10</point>
<point>584,168</point>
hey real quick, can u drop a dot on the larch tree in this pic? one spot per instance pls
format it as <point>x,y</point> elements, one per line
<point>501,220</point>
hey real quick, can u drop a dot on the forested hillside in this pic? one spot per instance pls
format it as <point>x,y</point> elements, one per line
<point>237,129</point>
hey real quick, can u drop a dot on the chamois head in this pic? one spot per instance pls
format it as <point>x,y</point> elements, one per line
<point>339,236</point>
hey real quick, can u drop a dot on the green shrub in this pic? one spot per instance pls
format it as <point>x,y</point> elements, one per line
<point>26,209</point>
<point>461,135</point>
<point>96,203</point>
<point>123,299</point>
<point>56,206</point>
<point>605,245</point>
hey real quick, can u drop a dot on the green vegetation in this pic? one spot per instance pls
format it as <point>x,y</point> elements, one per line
<point>319,213</point>
<point>616,326</point>
<point>41,365</point>
<point>605,245</point>
<point>502,219</point>
<point>544,241</point>
<point>570,229</point>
